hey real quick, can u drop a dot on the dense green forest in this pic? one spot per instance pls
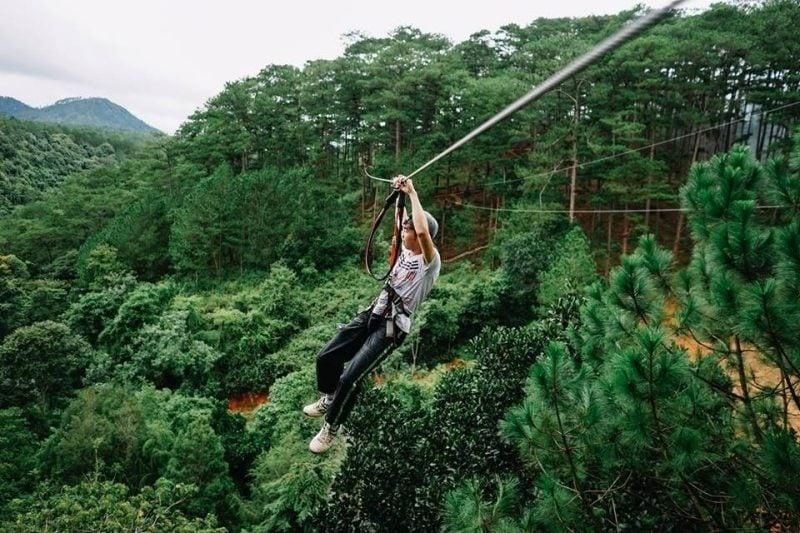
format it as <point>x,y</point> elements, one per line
<point>37,157</point>
<point>571,370</point>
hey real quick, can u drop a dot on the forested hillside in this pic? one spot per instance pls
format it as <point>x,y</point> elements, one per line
<point>612,345</point>
<point>37,157</point>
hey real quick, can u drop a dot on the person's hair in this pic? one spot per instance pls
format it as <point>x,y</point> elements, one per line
<point>433,225</point>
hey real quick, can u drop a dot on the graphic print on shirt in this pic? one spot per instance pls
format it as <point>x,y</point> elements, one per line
<point>412,280</point>
<point>405,271</point>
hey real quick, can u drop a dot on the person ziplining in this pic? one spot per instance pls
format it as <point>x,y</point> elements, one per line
<point>372,335</point>
<point>376,331</point>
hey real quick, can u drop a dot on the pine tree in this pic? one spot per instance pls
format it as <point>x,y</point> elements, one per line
<point>467,512</point>
<point>739,295</point>
<point>553,429</point>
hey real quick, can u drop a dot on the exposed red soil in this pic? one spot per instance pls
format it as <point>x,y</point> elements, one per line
<point>247,402</point>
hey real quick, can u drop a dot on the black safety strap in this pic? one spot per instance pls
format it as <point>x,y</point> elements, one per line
<point>398,198</point>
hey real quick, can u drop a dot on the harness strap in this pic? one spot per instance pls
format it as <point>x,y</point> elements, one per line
<point>395,299</point>
<point>394,306</point>
<point>398,198</point>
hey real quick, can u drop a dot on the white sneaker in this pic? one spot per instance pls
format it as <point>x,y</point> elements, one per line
<point>318,408</point>
<point>323,440</point>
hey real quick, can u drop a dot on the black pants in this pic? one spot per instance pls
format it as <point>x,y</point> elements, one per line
<point>364,344</point>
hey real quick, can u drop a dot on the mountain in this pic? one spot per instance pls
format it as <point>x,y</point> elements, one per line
<point>12,106</point>
<point>96,112</point>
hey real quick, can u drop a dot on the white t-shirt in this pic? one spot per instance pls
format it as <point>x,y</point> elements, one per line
<point>412,279</point>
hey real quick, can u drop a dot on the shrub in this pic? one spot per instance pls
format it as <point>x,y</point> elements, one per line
<point>18,446</point>
<point>115,431</point>
<point>571,268</point>
<point>525,246</point>
<point>97,505</point>
<point>383,482</point>
<point>197,458</point>
<point>41,363</point>
<point>44,299</point>
<point>97,267</point>
<point>167,355</point>
<point>94,310</point>
<point>408,447</point>
<point>142,305</point>
<point>290,485</point>
<point>12,273</point>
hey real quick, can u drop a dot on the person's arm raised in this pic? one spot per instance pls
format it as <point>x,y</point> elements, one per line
<point>420,222</point>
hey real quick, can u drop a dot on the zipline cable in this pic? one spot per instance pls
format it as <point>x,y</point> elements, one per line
<point>615,41</point>
<point>589,211</point>
<point>578,65</point>
<point>629,151</point>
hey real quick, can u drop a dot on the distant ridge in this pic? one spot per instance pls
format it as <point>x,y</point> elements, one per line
<point>12,106</point>
<point>77,111</point>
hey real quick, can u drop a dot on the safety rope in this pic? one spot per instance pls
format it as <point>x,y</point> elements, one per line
<point>396,197</point>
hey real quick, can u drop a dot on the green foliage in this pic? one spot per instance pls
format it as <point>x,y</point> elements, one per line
<point>467,512</point>
<point>571,269</point>
<point>279,416</point>
<point>18,447</point>
<point>484,390</point>
<point>382,483</point>
<point>43,299</point>
<point>37,157</point>
<point>167,355</point>
<point>254,219</point>
<point>98,505</point>
<point>740,286</point>
<point>45,230</point>
<point>138,436</point>
<point>115,431</point>
<point>621,429</point>
<point>526,255</point>
<point>280,297</point>
<point>461,304</point>
<point>526,246</point>
<point>637,409</point>
<point>140,234</point>
<point>252,328</point>
<point>634,405</point>
<point>100,266</point>
<point>781,457</point>
<point>63,267</point>
<point>197,458</point>
<point>142,305</point>
<point>12,273</point>
<point>242,445</point>
<point>411,446</point>
<point>42,364</point>
<point>94,310</point>
<point>290,485</point>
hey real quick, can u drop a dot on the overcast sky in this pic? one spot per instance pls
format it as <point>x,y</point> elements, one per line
<point>162,59</point>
